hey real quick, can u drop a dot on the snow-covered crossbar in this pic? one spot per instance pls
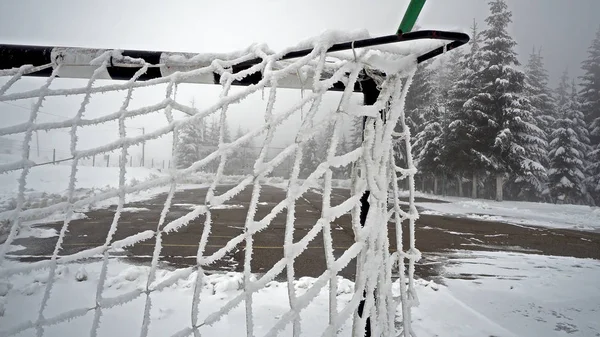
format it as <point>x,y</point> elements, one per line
<point>374,170</point>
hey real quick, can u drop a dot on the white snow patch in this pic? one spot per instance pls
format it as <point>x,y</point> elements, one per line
<point>15,248</point>
<point>458,233</point>
<point>430,212</point>
<point>188,206</point>
<point>55,217</point>
<point>36,232</point>
<point>531,295</point>
<point>495,294</point>
<point>516,212</point>
<point>81,275</point>
<point>222,206</point>
<point>227,207</point>
<point>503,247</point>
<point>55,178</point>
<point>134,209</point>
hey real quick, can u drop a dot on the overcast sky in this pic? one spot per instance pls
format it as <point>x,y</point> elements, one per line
<point>562,28</point>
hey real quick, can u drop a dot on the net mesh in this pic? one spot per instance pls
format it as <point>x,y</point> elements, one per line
<point>373,169</point>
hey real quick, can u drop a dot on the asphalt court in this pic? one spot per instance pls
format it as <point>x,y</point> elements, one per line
<point>436,235</point>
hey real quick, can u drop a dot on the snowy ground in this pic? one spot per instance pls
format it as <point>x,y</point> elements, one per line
<point>516,212</point>
<point>485,294</point>
<point>55,178</point>
<point>479,294</point>
<point>48,184</point>
<point>512,294</point>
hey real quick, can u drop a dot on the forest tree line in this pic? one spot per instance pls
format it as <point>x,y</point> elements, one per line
<point>483,127</point>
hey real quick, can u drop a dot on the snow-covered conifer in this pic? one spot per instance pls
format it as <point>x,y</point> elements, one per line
<point>590,97</point>
<point>568,148</point>
<point>512,140</point>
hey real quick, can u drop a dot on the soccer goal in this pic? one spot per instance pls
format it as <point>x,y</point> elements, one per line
<point>379,68</point>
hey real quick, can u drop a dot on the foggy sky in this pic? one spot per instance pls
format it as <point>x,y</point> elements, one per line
<point>563,28</point>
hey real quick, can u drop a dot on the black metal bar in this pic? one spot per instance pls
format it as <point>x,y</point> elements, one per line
<point>12,56</point>
<point>370,95</point>
<point>15,56</point>
<point>458,39</point>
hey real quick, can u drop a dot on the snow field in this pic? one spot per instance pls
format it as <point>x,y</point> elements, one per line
<point>481,294</point>
<point>578,217</point>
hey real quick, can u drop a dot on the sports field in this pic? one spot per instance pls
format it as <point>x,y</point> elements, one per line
<point>436,235</point>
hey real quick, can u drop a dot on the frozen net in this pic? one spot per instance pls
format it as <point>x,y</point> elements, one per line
<point>373,170</point>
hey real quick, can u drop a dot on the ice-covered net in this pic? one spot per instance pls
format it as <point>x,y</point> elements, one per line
<point>373,170</point>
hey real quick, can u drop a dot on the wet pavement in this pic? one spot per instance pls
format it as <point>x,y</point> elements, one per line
<point>435,234</point>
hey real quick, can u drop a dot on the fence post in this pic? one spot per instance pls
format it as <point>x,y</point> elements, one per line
<point>94,160</point>
<point>54,156</point>
<point>107,160</point>
<point>143,149</point>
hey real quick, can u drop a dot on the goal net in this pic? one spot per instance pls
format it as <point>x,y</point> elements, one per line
<point>382,292</point>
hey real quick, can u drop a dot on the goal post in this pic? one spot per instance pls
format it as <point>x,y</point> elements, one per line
<point>123,64</point>
<point>380,68</point>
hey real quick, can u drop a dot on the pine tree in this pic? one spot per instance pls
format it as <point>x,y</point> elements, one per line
<point>590,95</point>
<point>444,77</point>
<point>544,107</point>
<point>188,145</point>
<point>323,142</point>
<point>190,142</point>
<point>593,171</point>
<point>343,148</point>
<point>212,133</point>
<point>562,91</point>
<point>211,142</point>
<point>237,161</point>
<point>418,98</point>
<point>511,136</point>
<point>567,153</point>
<point>430,116</point>
<point>226,133</point>
<point>310,158</point>
<point>464,149</point>
<point>590,83</point>
<point>539,94</point>
<point>356,132</point>
<point>429,142</point>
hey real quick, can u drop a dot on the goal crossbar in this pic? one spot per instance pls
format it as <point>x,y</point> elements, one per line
<point>75,64</point>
